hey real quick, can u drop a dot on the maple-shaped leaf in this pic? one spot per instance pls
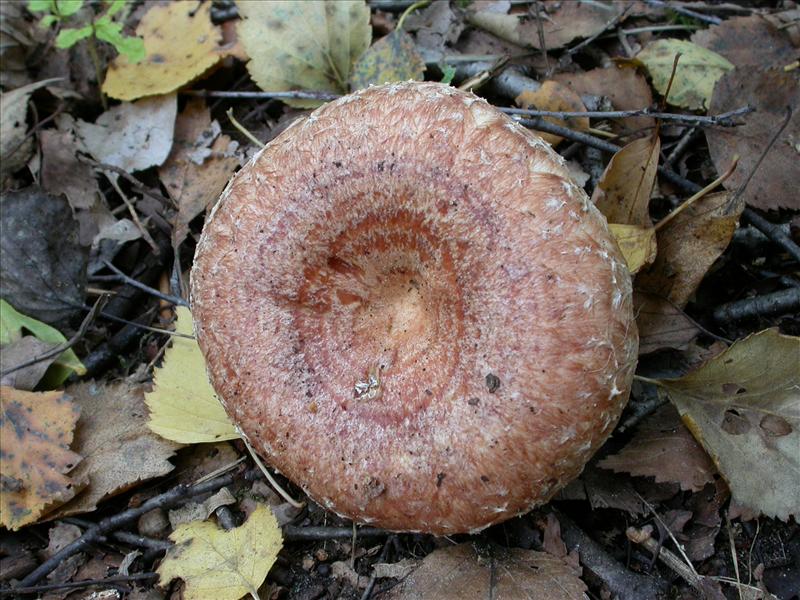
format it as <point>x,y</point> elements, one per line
<point>36,430</point>
<point>219,564</point>
<point>743,406</point>
<point>183,406</point>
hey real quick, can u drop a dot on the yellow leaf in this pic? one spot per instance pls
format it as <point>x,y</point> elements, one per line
<point>181,44</point>
<point>743,406</point>
<point>224,565</point>
<point>303,45</point>
<point>391,58</point>
<point>638,244</point>
<point>698,70</point>
<point>36,431</point>
<point>183,405</point>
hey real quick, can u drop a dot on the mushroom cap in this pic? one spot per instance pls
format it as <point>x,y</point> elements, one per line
<point>413,313</point>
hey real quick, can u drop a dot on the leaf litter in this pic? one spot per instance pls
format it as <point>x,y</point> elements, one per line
<point>170,155</point>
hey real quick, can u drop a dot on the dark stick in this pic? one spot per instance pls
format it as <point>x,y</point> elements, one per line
<point>623,583</point>
<point>87,321</point>
<point>125,175</point>
<point>145,288</point>
<point>685,11</point>
<point>126,537</point>
<point>36,589</point>
<point>178,494</point>
<point>382,558</point>
<point>769,304</point>
<point>292,533</point>
<point>607,27</point>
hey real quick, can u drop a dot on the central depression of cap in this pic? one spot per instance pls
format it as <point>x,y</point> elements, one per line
<point>412,312</point>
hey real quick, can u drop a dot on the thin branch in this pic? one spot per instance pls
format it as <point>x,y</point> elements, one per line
<point>71,585</point>
<point>685,11</point>
<point>61,348</point>
<point>273,482</point>
<point>293,533</point>
<point>138,185</point>
<point>780,302</point>
<point>134,215</point>
<point>177,495</point>
<point>607,27</point>
<point>145,288</point>
<point>721,120</point>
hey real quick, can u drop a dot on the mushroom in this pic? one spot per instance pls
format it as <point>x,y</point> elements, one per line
<point>412,312</point>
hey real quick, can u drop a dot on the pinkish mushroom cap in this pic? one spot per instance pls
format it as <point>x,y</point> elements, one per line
<point>413,313</point>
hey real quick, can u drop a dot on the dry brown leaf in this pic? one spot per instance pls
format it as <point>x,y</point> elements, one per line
<point>199,165</point>
<point>624,86</point>
<point>604,489</point>
<point>664,449</point>
<point>748,42</point>
<point>661,324</point>
<point>774,183</point>
<point>36,430</point>
<point>687,247</point>
<point>554,96</point>
<point>63,173</point>
<point>472,571</point>
<point>623,192</point>
<point>744,407</point>
<point>567,21</point>
<point>119,449</point>
<point>23,351</point>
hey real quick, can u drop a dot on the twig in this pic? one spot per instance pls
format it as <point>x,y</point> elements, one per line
<point>669,533</point>
<point>108,581</point>
<point>134,215</point>
<point>783,301</point>
<point>39,124</point>
<point>695,197</point>
<point>737,194</point>
<point>623,583</point>
<point>721,120</point>
<point>245,95</point>
<point>686,139</point>
<point>58,350</point>
<point>140,187</point>
<point>177,495</point>
<point>734,557</point>
<point>244,131</point>
<point>145,288</point>
<point>381,559</point>
<point>607,27</point>
<point>272,481</point>
<point>685,11</point>
<point>773,232</point>
<point>126,537</point>
<point>643,538</point>
<point>293,533</point>
<point>540,31</point>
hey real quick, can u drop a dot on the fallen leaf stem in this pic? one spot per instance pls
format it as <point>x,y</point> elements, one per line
<point>272,481</point>
<point>176,300</point>
<point>244,131</point>
<point>694,198</point>
<point>409,10</point>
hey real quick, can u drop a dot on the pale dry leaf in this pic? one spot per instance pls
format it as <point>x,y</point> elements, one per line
<point>36,431</point>
<point>183,405</point>
<point>224,565</point>
<point>295,45</point>
<point>664,449</point>
<point>623,192</point>
<point>472,571</point>
<point>743,406</point>
<point>687,247</point>
<point>63,173</point>
<point>15,148</point>
<point>180,43</point>
<point>132,136</point>
<point>119,449</point>
<point>566,22</point>
<point>21,352</point>
<point>697,72</point>
<point>661,324</point>
<point>554,96</point>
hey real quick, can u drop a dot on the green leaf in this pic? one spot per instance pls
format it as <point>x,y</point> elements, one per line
<point>392,58</point>
<point>111,32</point>
<point>114,7</point>
<point>41,5</point>
<point>13,322</point>
<point>698,70</point>
<point>47,20</point>
<point>69,37</point>
<point>448,72</point>
<point>66,8</point>
<point>132,48</point>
